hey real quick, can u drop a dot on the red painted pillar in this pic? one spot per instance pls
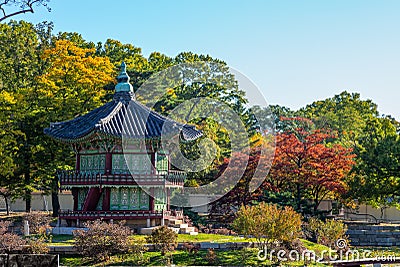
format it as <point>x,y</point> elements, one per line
<point>78,162</point>
<point>75,197</point>
<point>168,198</point>
<point>108,163</point>
<point>106,199</point>
<point>151,201</point>
<point>153,163</point>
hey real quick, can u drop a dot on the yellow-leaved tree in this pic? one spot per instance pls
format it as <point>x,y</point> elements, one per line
<point>73,84</point>
<point>75,81</point>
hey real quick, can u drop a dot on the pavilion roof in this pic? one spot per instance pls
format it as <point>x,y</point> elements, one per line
<point>123,117</point>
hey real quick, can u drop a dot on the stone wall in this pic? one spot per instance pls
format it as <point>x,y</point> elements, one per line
<point>28,260</point>
<point>374,235</point>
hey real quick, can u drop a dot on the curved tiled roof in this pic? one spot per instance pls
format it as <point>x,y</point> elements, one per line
<point>122,117</point>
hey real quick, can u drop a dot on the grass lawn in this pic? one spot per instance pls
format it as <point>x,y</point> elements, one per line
<point>182,258</point>
<point>62,240</point>
<point>67,240</point>
<point>246,257</point>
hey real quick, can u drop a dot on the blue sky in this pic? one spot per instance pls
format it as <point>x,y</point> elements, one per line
<point>295,51</point>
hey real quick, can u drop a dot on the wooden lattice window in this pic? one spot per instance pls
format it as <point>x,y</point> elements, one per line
<point>82,193</point>
<point>162,163</point>
<point>160,199</point>
<point>131,163</point>
<point>92,163</point>
<point>133,198</point>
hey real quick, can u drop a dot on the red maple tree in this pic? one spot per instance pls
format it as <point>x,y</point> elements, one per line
<point>226,207</point>
<point>307,164</point>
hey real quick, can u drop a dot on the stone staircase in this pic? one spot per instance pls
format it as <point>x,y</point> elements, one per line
<point>181,228</point>
<point>177,225</point>
<point>374,235</point>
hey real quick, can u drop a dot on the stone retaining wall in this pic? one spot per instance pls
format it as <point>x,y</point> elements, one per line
<point>32,260</point>
<point>203,246</point>
<point>374,235</point>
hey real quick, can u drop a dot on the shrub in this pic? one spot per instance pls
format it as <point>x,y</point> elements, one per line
<point>13,243</point>
<point>136,250</point>
<point>39,223</point>
<point>102,240</point>
<point>191,247</point>
<point>10,242</point>
<point>39,226</point>
<point>36,246</point>
<point>164,239</point>
<point>268,223</point>
<point>326,233</point>
<point>211,256</point>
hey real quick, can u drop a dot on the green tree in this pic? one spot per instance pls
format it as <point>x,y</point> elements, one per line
<point>20,64</point>
<point>346,114</point>
<point>73,85</point>
<point>377,175</point>
<point>165,240</point>
<point>43,80</point>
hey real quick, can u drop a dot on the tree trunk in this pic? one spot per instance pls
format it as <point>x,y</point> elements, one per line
<point>7,207</point>
<point>55,203</point>
<point>316,204</point>
<point>28,192</point>
<point>54,197</point>
<point>298,187</point>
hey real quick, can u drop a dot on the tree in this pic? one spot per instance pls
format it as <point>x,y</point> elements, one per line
<point>345,114</point>
<point>165,240</point>
<point>273,116</point>
<point>20,64</point>
<point>377,175</point>
<point>307,164</point>
<point>43,82</point>
<point>73,85</point>
<point>18,7</point>
<point>240,194</point>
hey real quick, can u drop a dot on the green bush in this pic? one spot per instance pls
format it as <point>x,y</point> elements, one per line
<point>211,256</point>
<point>165,240</point>
<point>268,223</point>
<point>327,233</point>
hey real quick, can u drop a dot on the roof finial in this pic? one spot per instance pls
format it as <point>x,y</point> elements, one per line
<point>123,78</point>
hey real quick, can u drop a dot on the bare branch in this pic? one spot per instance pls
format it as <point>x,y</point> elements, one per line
<point>24,7</point>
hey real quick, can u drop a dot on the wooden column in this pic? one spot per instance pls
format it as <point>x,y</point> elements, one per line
<point>151,201</point>
<point>75,197</point>
<point>108,163</point>
<point>168,197</point>
<point>78,162</point>
<point>153,163</point>
<point>106,199</point>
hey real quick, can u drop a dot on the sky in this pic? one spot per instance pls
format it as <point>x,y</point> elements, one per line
<point>295,51</point>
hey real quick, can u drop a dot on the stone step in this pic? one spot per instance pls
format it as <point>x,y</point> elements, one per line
<point>176,230</point>
<point>186,230</point>
<point>146,230</point>
<point>175,222</point>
